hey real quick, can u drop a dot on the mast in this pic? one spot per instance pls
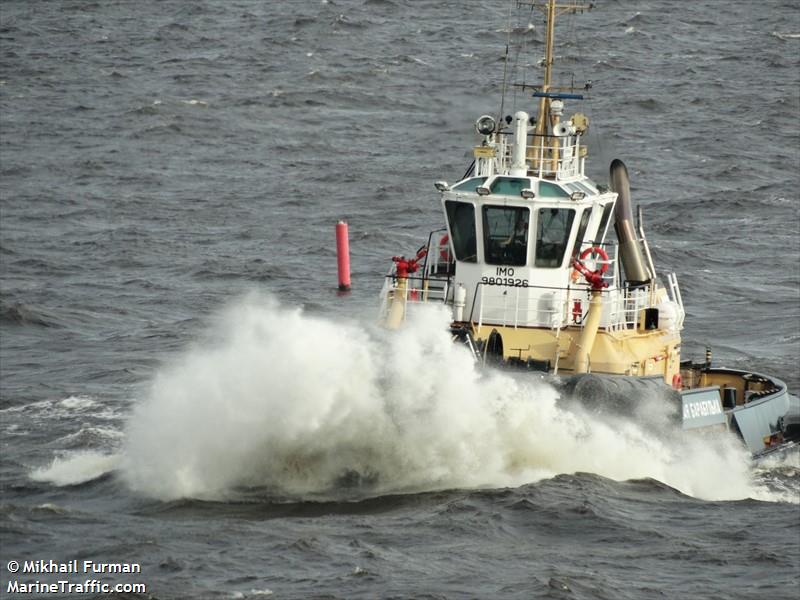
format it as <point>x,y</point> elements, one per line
<point>544,102</point>
<point>552,10</point>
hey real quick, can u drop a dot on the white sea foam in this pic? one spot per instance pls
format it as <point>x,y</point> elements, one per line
<point>76,468</point>
<point>78,403</point>
<point>307,407</point>
<point>254,593</point>
<point>781,475</point>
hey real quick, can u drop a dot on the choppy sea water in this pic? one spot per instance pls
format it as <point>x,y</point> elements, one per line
<point>182,387</point>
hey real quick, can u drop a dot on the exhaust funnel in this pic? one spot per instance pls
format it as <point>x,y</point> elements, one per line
<point>630,251</point>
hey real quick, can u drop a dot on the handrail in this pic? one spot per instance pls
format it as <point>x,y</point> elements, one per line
<point>624,306</point>
<point>411,294</point>
<point>428,246</point>
<point>534,305</point>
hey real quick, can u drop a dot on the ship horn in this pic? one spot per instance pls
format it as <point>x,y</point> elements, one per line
<point>630,250</point>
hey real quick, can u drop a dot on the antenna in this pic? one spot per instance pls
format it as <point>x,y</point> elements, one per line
<point>505,70</point>
<point>551,9</point>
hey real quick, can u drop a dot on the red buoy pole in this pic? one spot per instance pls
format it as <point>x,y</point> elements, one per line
<point>343,256</point>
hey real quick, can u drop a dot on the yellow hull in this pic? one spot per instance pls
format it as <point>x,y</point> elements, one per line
<point>627,352</point>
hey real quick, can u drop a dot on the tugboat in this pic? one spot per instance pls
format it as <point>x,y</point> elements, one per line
<point>536,280</point>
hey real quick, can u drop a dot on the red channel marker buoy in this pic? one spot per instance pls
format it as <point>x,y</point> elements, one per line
<point>343,256</point>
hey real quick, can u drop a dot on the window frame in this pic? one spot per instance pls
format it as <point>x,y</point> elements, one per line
<point>560,245</point>
<point>461,246</point>
<point>512,254</point>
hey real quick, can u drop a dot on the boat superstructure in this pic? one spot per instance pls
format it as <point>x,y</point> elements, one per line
<point>548,270</point>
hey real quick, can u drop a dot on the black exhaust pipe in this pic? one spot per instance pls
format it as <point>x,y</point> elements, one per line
<point>630,251</point>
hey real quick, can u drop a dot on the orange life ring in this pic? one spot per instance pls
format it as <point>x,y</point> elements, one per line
<point>599,252</point>
<point>444,248</point>
<point>677,381</point>
<point>595,278</point>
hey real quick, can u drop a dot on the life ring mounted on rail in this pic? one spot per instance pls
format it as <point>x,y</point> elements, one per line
<point>444,248</point>
<point>595,278</point>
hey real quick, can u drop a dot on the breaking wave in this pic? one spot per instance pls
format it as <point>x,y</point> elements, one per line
<point>300,406</point>
<point>76,469</point>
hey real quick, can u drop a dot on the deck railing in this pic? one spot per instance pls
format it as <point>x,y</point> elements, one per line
<point>551,156</point>
<point>548,156</point>
<point>418,289</point>
<point>555,307</point>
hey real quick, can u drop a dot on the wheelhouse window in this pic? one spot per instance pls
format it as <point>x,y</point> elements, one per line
<point>461,217</point>
<point>552,235</point>
<point>469,185</point>
<point>576,248</point>
<point>551,190</point>
<point>505,230</point>
<point>601,230</point>
<point>509,186</point>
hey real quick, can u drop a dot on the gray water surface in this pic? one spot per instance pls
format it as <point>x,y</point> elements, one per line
<point>162,161</point>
